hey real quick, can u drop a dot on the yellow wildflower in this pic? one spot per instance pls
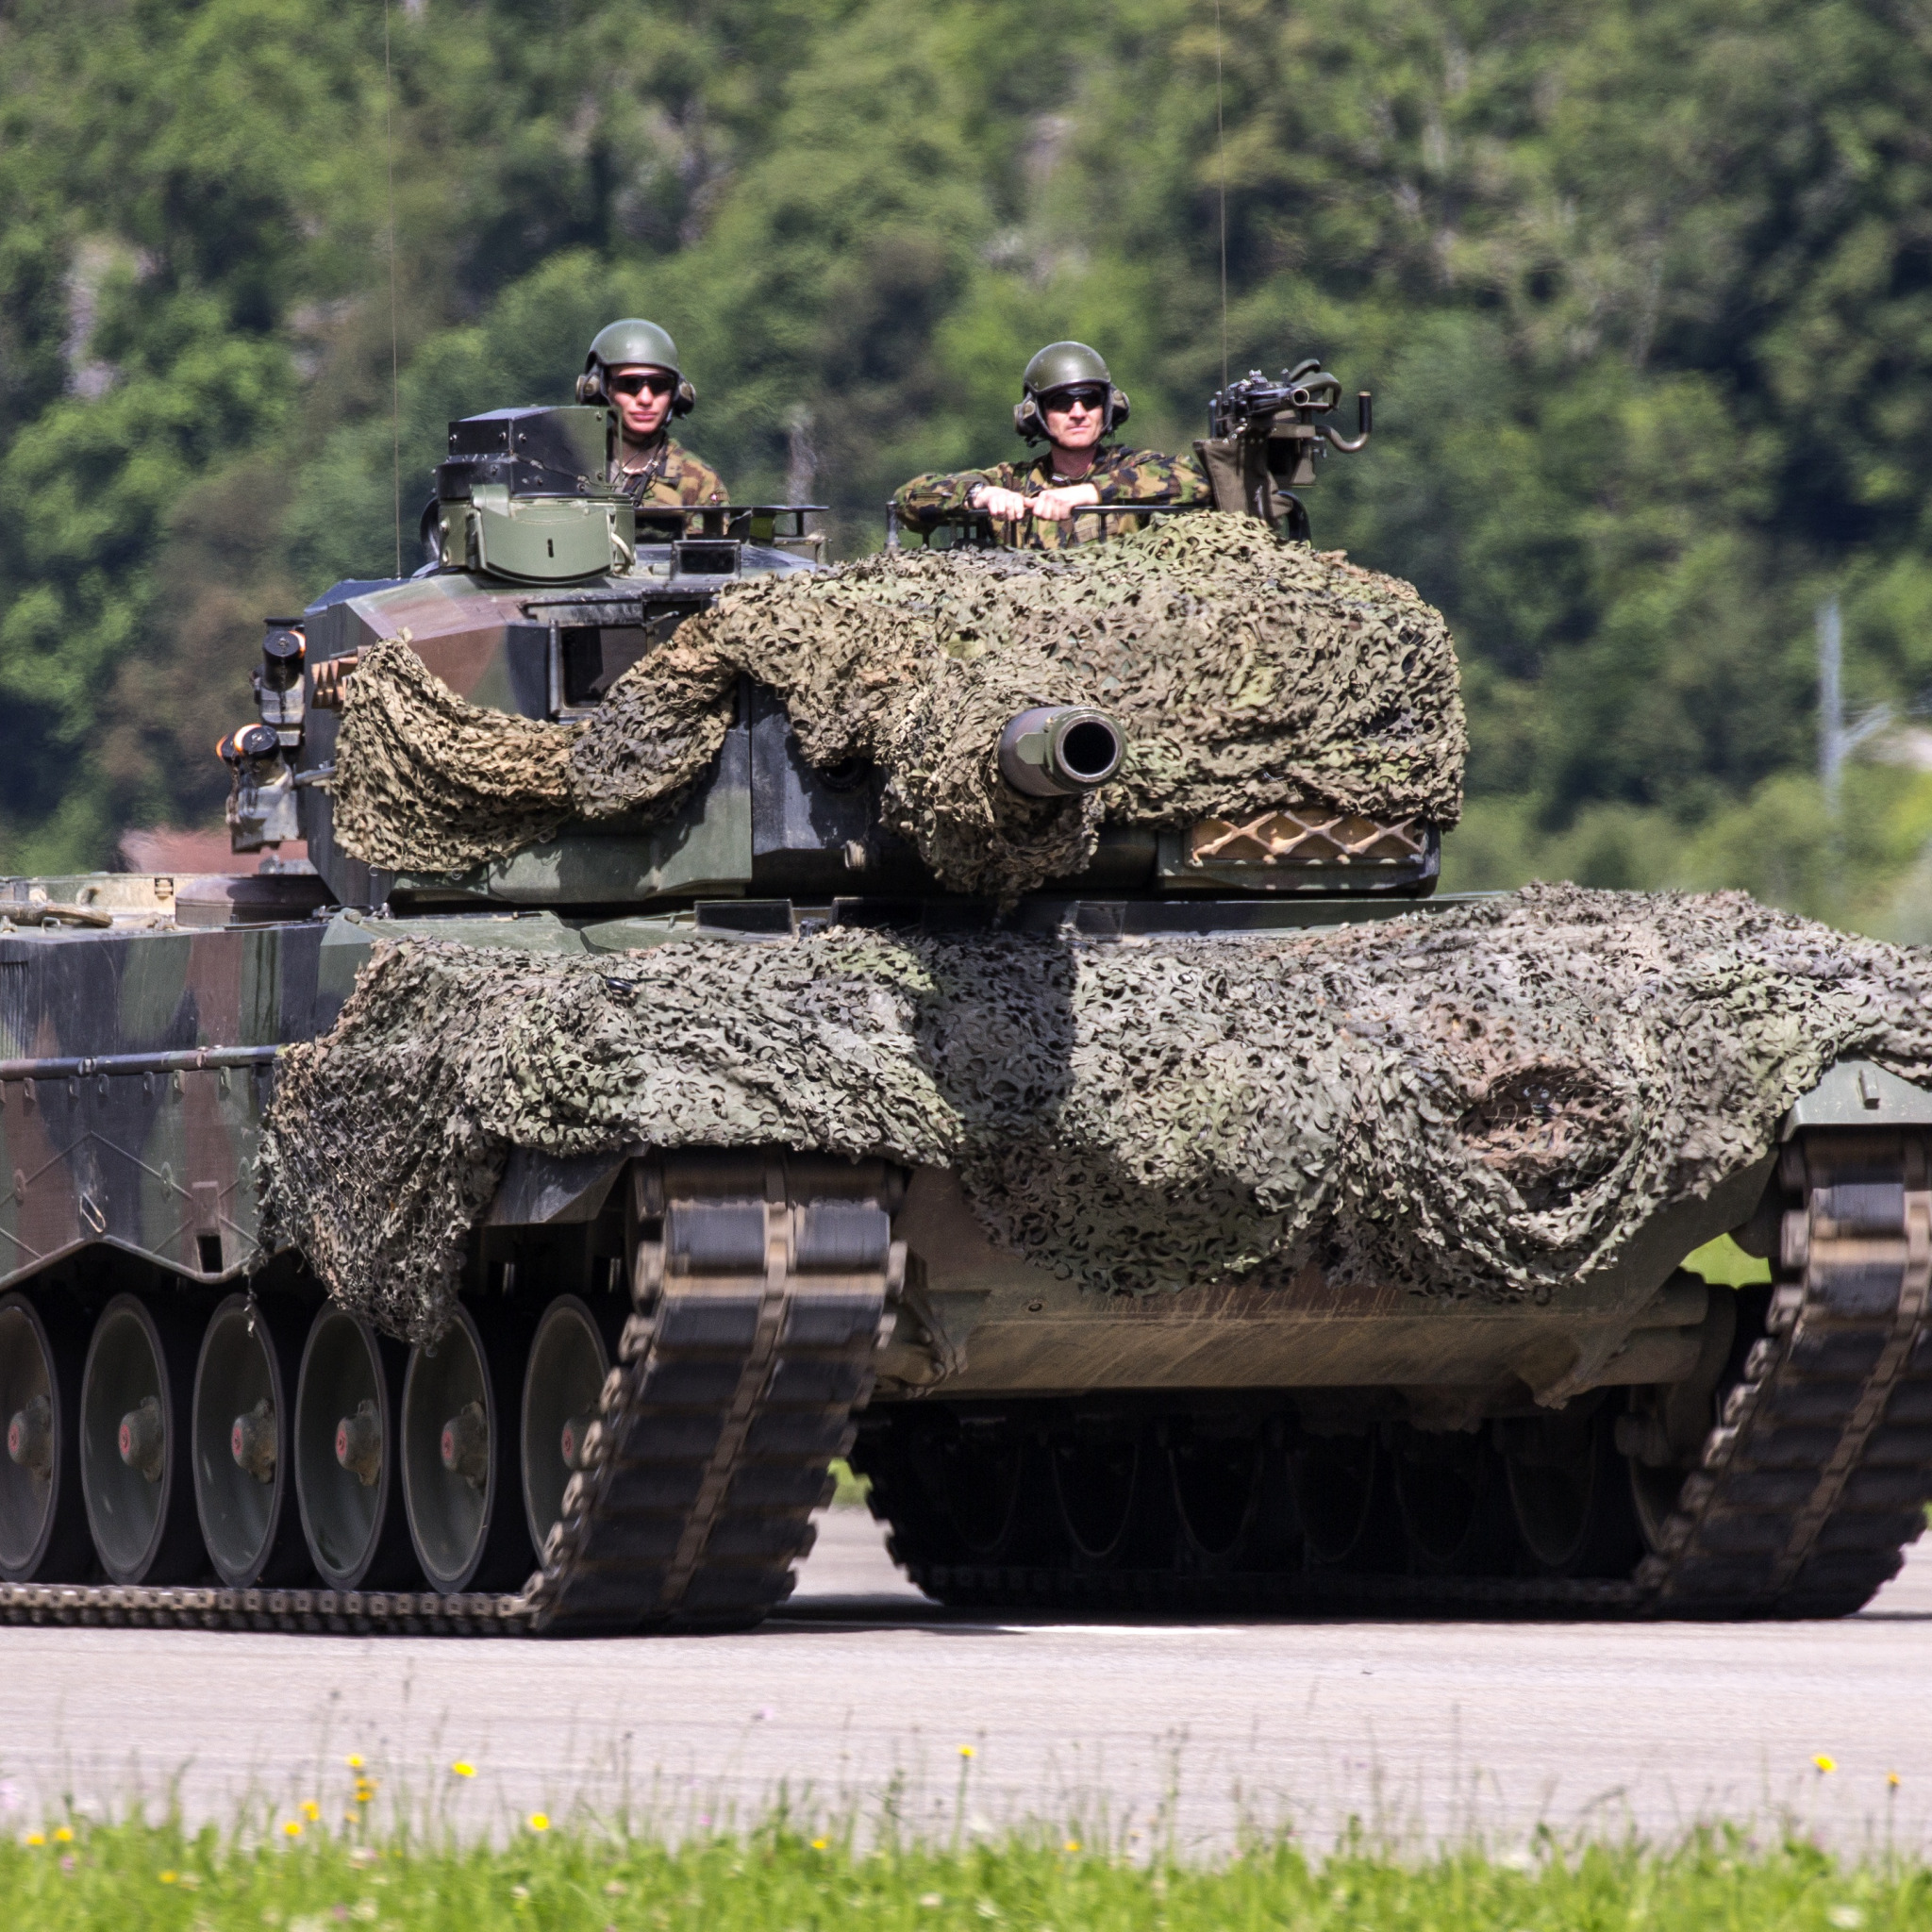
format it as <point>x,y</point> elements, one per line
<point>1072,1844</point>
<point>965,1750</point>
<point>463,1768</point>
<point>169,1877</point>
<point>540,1821</point>
<point>819,1844</point>
<point>293,1829</point>
<point>63,1834</point>
<point>354,1761</point>
<point>1891,1778</point>
<point>310,1809</point>
<point>1825,1765</point>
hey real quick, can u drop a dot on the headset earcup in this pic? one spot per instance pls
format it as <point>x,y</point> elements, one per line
<point>1027,420</point>
<point>1117,408</point>
<point>591,387</point>
<point>685,400</point>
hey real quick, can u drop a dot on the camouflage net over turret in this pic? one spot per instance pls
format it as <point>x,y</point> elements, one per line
<point>1488,1100</point>
<point>1248,673</point>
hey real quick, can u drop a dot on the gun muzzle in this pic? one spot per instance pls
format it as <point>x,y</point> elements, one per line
<point>1058,751</point>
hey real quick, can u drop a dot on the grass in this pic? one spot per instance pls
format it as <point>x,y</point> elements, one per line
<point>122,1876</point>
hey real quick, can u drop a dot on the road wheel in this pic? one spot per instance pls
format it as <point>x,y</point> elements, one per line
<point>460,1460</point>
<point>135,1468</point>
<point>1097,1483</point>
<point>570,1358</point>
<point>1570,1493</point>
<point>43,1532</point>
<point>348,1399</point>
<point>244,1489</point>
<point>1455,1505</point>
<point>1342,1494</point>
<point>1217,1484</point>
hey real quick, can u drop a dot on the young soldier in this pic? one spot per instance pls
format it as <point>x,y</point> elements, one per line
<point>1069,398</point>
<point>633,367</point>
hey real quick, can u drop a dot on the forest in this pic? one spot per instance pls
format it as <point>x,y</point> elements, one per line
<point>1644,289</point>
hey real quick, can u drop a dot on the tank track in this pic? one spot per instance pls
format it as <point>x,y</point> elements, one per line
<point>761,1285</point>
<point>1812,1480</point>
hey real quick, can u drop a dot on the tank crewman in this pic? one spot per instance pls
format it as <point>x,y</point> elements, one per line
<point>633,367</point>
<point>1068,400</point>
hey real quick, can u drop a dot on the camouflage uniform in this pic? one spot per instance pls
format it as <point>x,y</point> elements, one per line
<point>664,472</point>
<point>1121,476</point>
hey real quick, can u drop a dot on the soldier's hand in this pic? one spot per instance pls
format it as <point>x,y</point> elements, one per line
<point>1061,503</point>
<point>1004,504</point>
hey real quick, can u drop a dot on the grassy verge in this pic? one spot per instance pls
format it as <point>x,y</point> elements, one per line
<point>125,1877</point>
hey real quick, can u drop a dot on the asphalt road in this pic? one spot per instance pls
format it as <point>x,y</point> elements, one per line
<point>863,1695</point>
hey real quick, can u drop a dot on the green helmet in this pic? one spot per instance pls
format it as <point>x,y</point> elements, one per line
<point>1064,365</point>
<point>633,344</point>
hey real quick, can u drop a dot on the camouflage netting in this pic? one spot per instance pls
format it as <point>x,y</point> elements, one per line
<point>1486,1100</point>
<point>1249,674</point>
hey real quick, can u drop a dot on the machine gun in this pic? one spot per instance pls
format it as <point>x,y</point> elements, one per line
<point>1263,438</point>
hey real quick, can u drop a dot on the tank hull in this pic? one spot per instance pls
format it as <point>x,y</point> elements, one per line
<point>1227,1444</point>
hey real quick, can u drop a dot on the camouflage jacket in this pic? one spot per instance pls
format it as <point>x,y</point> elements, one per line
<point>663,471</point>
<point>1121,476</point>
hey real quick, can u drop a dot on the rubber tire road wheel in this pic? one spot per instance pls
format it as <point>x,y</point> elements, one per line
<point>1097,1485</point>
<point>1217,1484</point>
<point>1342,1494</point>
<point>1573,1510</point>
<point>357,1531</point>
<point>43,1532</point>
<point>460,1401</point>
<point>570,1358</point>
<point>250,1352</point>
<point>141,1365</point>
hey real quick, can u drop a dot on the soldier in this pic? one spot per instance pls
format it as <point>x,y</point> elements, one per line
<point>1069,399</point>
<point>633,367</point>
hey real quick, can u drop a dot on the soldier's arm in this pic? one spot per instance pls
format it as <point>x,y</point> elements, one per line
<point>1147,476</point>
<point>927,498</point>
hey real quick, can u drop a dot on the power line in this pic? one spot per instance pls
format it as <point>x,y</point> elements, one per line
<point>395,390</point>
<point>1221,151</point>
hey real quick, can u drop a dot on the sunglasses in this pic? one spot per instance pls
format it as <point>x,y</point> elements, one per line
<point>1070,398</point>
<point>648,384</point>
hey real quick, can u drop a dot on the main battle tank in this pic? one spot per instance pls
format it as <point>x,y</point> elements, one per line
<point>499,1219</point>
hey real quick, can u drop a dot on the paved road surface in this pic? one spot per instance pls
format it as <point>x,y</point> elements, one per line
<point>865,1689</point>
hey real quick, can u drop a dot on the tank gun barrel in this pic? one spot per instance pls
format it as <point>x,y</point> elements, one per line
<point>1059,751</point>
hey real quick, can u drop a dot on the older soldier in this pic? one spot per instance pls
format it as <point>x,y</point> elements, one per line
<point>633,366</point>
<point>1069,399</point>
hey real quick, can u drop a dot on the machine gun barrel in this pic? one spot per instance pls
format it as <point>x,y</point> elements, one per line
<point>1058,751</point>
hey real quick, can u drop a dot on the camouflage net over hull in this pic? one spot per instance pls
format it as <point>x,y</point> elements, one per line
<point>1488,1100</point>
<point>1248,673</point>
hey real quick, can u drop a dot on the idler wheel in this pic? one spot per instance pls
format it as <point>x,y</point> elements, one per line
<point>1570,1494</point>
<point>459,1455</point>
<point>136,1469</point>
<point>348,1399</point>
<point>562,1387</point>
<point>43,1532</point>
<point>244,1388</point>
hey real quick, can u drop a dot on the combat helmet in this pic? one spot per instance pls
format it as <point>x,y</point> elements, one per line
<point>1063,365</point>
<point>634,342</point>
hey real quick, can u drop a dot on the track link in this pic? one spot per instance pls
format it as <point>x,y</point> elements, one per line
<point>1806,1490</point>
<point>761,1284</point>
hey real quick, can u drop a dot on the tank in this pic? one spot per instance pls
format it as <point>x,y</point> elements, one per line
<point>503,1228</point>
